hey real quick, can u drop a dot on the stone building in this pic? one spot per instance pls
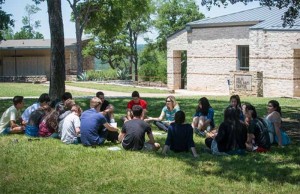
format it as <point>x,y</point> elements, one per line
<point>248,53</point>
<point>24,59</point>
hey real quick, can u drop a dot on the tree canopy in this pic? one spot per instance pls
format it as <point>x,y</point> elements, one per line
<point>173,15</point>
<point>288,17</point>
<point>5,21</point>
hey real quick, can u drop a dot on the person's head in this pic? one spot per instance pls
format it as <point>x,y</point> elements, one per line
<point>46,108</point>
<point>179,117</point>
<point>95,103</point>
<point>250,111</point>
<point>231,114</point>
<point>44,98</point>
<point>100,95</point>
<point>66,96</point>
<point>273,105</point>
<point>135,96</point>
<point>18,102</point>
<point>171,102</point>
<point>137,111</point>
<point>203,105</point>
<point>77,109</point>
<point>235,101</point>
<point>68,104</point>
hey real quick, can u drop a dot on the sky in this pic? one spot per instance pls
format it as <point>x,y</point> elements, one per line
<point>17,9</point>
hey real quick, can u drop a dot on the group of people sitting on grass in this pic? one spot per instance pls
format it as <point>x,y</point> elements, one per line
<point>242,129</point>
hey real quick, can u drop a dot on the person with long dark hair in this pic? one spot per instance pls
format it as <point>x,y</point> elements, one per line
<point>203,120</point>
<point>274,120</point>
<point>258,136</point>
<point>235,102</point>
<point>231,136</point>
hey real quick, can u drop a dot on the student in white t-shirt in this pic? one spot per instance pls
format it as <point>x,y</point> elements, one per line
<point>71,126</point>
<point>8,121</point>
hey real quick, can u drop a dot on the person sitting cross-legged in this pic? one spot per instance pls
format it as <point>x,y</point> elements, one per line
<point>180,136</point>
<point>136,100</point>
<point>133,133</point>
<point>71,126</point>
<point>8,121</point>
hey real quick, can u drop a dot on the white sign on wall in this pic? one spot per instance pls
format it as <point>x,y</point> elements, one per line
<point>242,82</point>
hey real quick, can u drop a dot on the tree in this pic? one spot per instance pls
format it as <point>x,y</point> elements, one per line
<point>173,15</point>
<point>138,23</point>
<point>288,17</point>
<point>110,41</point>
<point>81,13</point>
<point>29,26</point>
<point>5,21</point>
<point>57,61</point>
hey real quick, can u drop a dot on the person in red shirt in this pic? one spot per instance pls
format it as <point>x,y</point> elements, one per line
<point>136,100</point>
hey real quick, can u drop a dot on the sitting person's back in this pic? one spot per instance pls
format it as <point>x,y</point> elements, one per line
<point>133,133</point>
<point>231,136</point>
<point>180,136</point>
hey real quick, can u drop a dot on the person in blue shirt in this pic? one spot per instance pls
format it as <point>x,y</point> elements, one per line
<point>180,136</point>
<point>167,112</point>
<point>203,119</point>
<point>94,128</point>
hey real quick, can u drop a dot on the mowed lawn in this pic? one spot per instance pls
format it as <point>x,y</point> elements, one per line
<point>48,166</point>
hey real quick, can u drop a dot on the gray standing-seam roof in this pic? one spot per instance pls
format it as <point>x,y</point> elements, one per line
<point>260,18</point>
<point>33,43</point>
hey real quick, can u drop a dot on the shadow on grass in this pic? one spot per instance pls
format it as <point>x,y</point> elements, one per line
<point>276,166</point>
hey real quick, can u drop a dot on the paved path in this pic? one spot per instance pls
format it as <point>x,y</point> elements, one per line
<point>114,94</point>
<point>177,93</point>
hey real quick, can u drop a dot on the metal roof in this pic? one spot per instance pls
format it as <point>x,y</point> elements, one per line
<point>259,18</point>
<point>33,43</point>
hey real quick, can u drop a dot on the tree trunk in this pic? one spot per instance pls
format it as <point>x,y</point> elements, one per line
<point>57,61</point>
<point>79,47</point>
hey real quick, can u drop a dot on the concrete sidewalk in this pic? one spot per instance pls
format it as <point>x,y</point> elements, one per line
<point>114,94</point>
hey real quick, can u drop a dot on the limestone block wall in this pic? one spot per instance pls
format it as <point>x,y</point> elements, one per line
<point>212,54</point>
<point>272,53</point>
<point>297,72</point>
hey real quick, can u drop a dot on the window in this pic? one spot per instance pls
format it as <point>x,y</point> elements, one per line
<point>243,58</point>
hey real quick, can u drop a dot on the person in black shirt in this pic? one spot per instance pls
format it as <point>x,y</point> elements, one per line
<point>231,136</point>
<point>180,136</point>
<point>133,133</point>
<point>106,108</point>
<point>258,135</point>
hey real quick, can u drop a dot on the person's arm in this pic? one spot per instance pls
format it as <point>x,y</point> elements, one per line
<point>110,128</point>
<point>77,130</point>
<point>121,136</point>
<point>276,119</point>
<point>151,138</point>
<point>162,115</point>
<point>250,138</point>
<point>277,126</point>
<point>128,115</point>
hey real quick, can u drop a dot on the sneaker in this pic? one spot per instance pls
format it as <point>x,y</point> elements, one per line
<point>202,133</point>
<point>199,132</point>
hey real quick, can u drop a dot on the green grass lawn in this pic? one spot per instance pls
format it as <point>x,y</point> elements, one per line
<point>48,166</point>
<point>112,87</point>
<point>29,89</point>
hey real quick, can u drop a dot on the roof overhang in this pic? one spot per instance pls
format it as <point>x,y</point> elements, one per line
<point>225,24</point>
